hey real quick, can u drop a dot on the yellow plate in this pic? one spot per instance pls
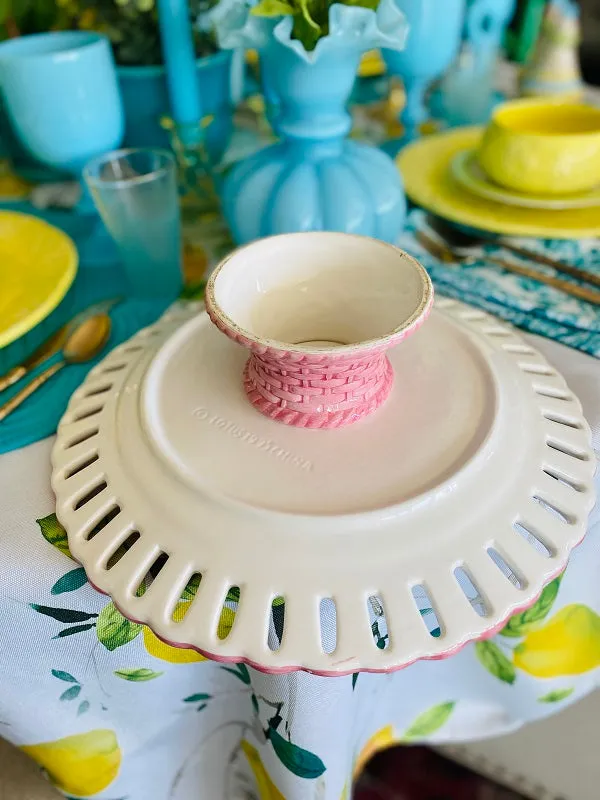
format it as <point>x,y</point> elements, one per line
<point>37,265</point>
<point>425,167</point>
<point>467,172</point>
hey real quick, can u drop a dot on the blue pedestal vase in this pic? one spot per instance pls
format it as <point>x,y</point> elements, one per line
<point>314,178</point>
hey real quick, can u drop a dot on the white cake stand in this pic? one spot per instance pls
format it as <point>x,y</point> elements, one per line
<point>436,518</point>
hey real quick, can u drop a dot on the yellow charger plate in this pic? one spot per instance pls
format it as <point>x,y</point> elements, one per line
<point>38,263</point>
<point>426,168</point>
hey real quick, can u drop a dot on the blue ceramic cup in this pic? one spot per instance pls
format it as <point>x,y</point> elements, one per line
<point>62,96</point>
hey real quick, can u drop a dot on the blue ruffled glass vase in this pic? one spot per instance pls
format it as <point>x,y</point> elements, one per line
<point>314,178</point>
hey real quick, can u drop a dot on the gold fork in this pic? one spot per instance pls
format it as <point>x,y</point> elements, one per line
<point>447,255</point>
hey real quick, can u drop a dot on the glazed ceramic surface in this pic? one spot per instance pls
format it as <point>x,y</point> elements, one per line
<point>62,96</point>
<point>426,168</point>
<point>553,69</point>
<point>161,441</point>
<point>433,40</point>
<point>543,147</point>
<point>314,179</point>
<point>316,331</point>
<point>469,174</point>
<point>38,263</point>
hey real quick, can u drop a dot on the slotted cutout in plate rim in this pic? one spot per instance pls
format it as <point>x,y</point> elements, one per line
<point>409,639</point>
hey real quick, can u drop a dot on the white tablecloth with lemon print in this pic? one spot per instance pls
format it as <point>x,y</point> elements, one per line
<point>109,711</point>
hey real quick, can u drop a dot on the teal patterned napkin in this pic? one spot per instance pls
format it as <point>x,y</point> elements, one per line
<point>524,302</point>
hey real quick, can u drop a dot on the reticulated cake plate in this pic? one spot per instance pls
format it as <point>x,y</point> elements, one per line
<point>404,536</point>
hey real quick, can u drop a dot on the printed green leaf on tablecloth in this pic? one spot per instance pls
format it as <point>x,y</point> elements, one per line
<point>240,671</point>
<point>520,624</point>
<point>137,675</point>
<point>70,581</point>
<point>556,696</point>
<point>54,533</point>
<point>429,721</point>
<point>74,629</point>
<point>301,762</point>
<point>494,660</point>
<point>200,697</point>
<point>113,629</point>
<point>63,614</point>
<point>71,693</point>
<point>64,676</point>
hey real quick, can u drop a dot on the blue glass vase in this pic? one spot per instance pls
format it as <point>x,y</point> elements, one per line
<point>315,178</point>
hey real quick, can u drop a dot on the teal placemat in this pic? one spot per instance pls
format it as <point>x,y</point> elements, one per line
<point>39,415</point>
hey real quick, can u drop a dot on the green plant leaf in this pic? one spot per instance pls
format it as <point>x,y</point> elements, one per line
<point>64,676</point>
<point>71,693</point>
<point>301,762</point>
<point>54,533</point>
<point>372,4</point>
<point>272,8</point>
<point>137,675</point>
<point>74,629</point>
<point>520,624</point>
<point>69,582</point>
<point>556,696</point>
<point>113,629</point>
<point>5,10</point>
<point>306,14</point>
<point>429,721</point>
<point>83,707</point>
<point>494,660</point>
<point>63,614</point>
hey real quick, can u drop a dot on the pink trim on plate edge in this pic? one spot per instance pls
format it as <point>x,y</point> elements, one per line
<point>487,634</point>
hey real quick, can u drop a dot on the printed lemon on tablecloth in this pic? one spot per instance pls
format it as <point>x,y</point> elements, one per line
<point>184,655</point>
<point>385,737</point>
<point>266,788</point>
<point>568,644</point>
<point>83,764</point>
<point>175,655</point>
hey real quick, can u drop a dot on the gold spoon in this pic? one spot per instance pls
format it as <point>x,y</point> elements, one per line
<point>85,342</point>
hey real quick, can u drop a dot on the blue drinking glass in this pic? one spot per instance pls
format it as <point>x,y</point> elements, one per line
<point>434,35</point>
<point>136,193</point>
<point>62,96</point>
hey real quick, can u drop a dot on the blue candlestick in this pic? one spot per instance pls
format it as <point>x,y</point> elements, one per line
<point>180,65</point>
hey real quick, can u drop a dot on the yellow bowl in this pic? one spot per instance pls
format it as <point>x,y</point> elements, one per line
<point>543,147</point>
